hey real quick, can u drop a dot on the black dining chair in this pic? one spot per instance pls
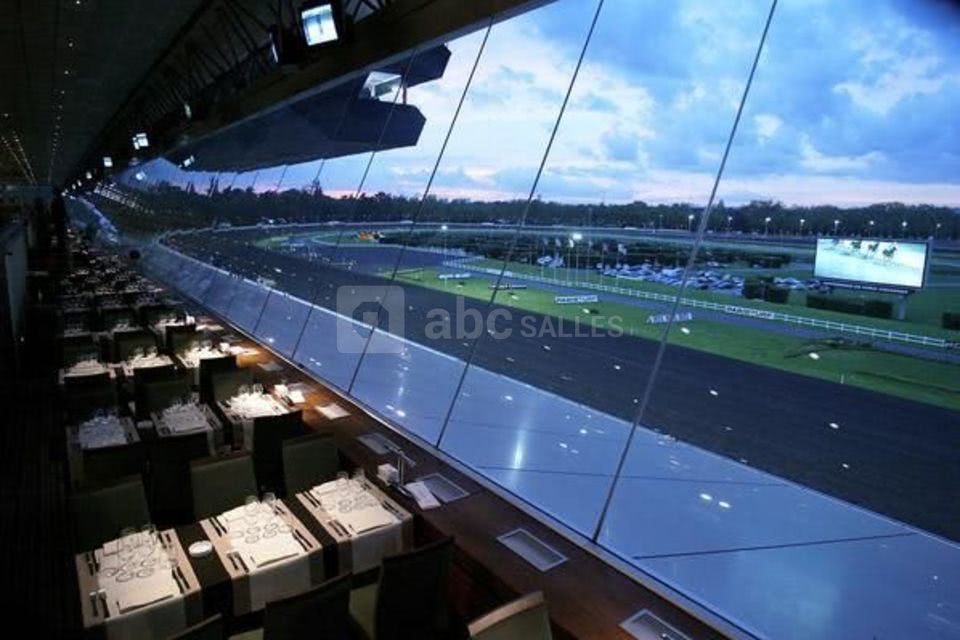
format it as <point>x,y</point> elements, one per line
<point>410,598</point>
<point>100,513</point>
<point>107,464</point>
<point>126,342</point>
<point>77,348</point>
<point>179,337</point>
<point>157,390</point>
<point>209,367</point>
<point>169,476</point>
<point>110,318</point>
<point>209,629</point>
<point>269,434</point>
<point>225,384</point>
<point>323,613</point>
<point>219,484</point>
<point>81,404</point>
<point>308,461</point>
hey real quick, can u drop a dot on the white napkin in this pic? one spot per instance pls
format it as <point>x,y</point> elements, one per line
<point>361,520</point>
<point>233,515</point>
<point>143,591</point>
<point>269,550</point>
<point>332,411</point>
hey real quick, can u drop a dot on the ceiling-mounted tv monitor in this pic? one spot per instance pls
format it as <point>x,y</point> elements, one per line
<point>882,263</point>
<point>320,22</point>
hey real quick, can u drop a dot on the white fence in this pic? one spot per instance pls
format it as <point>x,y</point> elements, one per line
<point>730,309</point>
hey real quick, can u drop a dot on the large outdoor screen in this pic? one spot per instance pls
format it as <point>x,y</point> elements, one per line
<point>877,262</point>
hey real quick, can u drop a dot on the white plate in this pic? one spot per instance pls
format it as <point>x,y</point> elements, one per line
<point>200,549</point>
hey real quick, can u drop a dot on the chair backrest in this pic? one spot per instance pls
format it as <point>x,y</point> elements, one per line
<point>180,336</point>
<point>126,342</point>
<point>170,486</point>
<point>84,402</point>
<point>224,384</point>
<point>157,392</point>
<point>108,464</point>
<point>150,314</point>
<point>525,618</point>
<point>323,613</point>
<point>219,484</point>
<point>76,348</point>
<point>208,368</point>
<point>269,433</point>
<point>112,317</point>
<point>86,384</point>
<point>412,593</point>
<point>100,513</point>
<point>209,629</point>
<point>308,461</point>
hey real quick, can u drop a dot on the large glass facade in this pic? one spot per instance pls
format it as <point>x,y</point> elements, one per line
<point>640,266</point>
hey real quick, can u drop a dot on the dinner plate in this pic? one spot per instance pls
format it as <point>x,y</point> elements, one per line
<point>200,549</point>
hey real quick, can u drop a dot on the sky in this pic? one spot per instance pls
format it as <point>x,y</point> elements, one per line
<point>853,103</point>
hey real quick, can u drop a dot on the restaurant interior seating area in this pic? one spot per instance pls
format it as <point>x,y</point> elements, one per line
<point>174,480</point>
<point>486,319</point>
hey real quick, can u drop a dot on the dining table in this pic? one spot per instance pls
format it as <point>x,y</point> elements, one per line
<point>231,563</point>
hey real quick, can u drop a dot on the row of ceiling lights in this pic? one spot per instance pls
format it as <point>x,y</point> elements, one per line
<point>57,136</point>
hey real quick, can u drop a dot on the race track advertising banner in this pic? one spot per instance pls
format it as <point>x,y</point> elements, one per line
<point>878,262</point>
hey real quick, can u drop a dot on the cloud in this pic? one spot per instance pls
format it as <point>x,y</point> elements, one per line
<point>766,125</point>
<point>906,78</point>
<point>622,146</point>
<point>819,162</point>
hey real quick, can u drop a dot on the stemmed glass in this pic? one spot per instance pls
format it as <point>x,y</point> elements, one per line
<point>250,512</point>
<point>270,501</point>
<point>149,541</point>
<point>127,549</point>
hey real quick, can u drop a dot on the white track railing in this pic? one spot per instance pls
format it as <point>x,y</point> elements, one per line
<point>730,309</point>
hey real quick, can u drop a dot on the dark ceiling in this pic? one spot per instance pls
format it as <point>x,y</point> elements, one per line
<point>66,66</point>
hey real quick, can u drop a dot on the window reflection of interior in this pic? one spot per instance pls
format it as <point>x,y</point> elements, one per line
<point>760,433</point>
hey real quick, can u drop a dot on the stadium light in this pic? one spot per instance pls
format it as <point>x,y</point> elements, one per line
<point>577,237</point>
<point>321,22</point>
<point>140,141</point>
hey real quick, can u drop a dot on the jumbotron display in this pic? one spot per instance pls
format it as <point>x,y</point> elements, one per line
<point>878,262</point>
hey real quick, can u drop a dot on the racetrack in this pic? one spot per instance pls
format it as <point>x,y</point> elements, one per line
<point>891,455</point>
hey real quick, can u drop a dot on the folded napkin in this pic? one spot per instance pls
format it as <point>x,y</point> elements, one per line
<point>366,519</point>
<point>233,515</point>
<point>332,411</point>
<point>269,550</point>
<point>184,420</point>
<point>325,492</point>
<point>140,592</point>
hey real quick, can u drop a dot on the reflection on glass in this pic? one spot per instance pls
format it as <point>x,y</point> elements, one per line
<point>712,426</point>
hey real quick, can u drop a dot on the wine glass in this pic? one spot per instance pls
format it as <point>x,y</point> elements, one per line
<point>257,388</point>
<point>270,500</point>
<point>343,485</point>
<point>250,509</point>
<point>126,546</point>
<point>148,543</point>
